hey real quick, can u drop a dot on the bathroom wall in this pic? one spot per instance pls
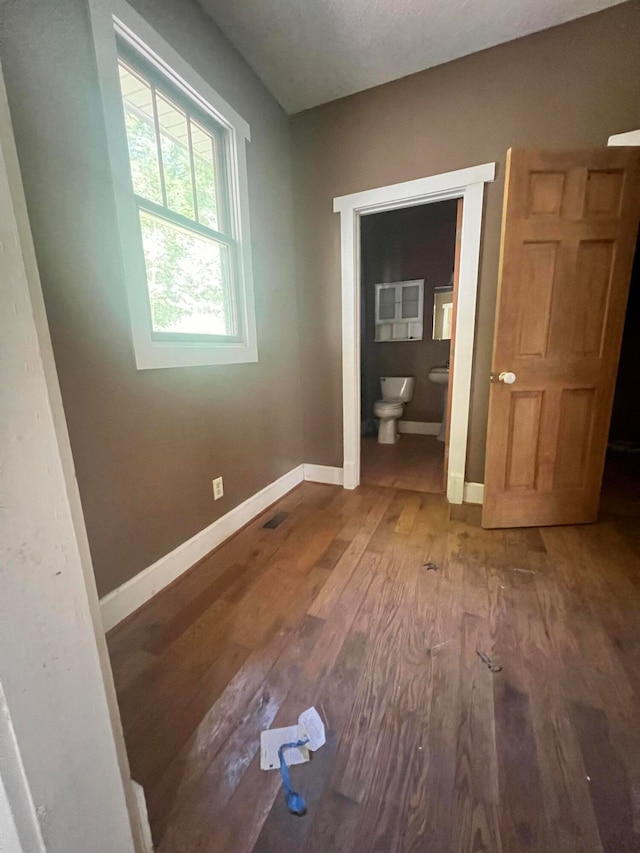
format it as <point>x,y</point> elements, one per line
<point>417,242</point>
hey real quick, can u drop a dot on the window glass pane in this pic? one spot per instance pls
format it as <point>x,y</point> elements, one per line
<point>176,164</point>
<point>187,277</point>
<point>387,303</point>
<point>205,158</point>
<point>141,135</point>
<point>410,300</point>
<point>410,310</point>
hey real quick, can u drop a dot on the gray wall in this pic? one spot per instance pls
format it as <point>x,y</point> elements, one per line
<point>147,444</point>
<point>417,242</point>
<point>570,86</point>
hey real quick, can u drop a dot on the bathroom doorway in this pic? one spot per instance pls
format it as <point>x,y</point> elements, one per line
<point>409,267</point>
<point>466,184</point>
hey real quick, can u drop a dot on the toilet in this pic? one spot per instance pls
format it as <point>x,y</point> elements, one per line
<point>396,391</point>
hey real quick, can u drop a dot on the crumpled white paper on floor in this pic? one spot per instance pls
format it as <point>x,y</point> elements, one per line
<point>309,726</point>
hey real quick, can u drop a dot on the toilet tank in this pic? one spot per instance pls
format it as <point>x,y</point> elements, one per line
<point>398,388</point>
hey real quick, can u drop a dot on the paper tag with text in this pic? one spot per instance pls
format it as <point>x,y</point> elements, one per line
<point>312,727</point>
<point>270,742</point>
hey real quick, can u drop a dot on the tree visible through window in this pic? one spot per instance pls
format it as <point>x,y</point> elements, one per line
<point>177,158</point>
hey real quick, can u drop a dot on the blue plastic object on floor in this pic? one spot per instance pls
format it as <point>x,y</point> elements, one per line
<point>295,803</point>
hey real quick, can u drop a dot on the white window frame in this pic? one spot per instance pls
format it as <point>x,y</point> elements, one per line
<point>111,17</point>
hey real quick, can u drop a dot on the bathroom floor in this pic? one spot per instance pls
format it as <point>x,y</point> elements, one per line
<point>416,462</point>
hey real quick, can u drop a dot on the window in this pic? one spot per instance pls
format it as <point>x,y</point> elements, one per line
<point>178,156</point>
<point>177,168</point>
<point>399,309</point>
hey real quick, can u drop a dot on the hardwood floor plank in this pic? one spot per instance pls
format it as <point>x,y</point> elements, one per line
<point>250,546</point>
<point>611,645</point>
<point>335,826</point>
<point>383,818</point>
<point>245,691</point>
<point>608,781</point>
<point>332,699</point>
<point>345,566</point>
<point>210,785</point>
<point>568,805</point>
<point>431,805</point>
<point>518,646</point>
<point>475,822</point>
<point>167,682</point>
<point>151,756</point>
<point>521,825</point>
<point>218,590</point>
<point>381,683</point>
<point>322,681</point>
<point>332,554</point>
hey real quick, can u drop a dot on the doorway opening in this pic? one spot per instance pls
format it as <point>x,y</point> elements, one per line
<point>468,185</point>
<point>408,282</point>
<point>620,495</point>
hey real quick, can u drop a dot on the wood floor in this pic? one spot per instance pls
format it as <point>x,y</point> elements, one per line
<point>428,748</point>
<point>416,462</point>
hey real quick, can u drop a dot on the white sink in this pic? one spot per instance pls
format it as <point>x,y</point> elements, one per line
<point>439,375</point>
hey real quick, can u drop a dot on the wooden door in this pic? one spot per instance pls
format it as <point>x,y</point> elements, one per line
<point>569,228</point>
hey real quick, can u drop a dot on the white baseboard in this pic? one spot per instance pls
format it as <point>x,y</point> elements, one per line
<point>418,428</point>
<point>132,594</point>
<point>323,474</point>
<point>473,493</point>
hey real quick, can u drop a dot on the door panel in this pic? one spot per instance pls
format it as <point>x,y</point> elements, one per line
<point>594,262</point>
<point>576,415</point>
<point>524,428</point>
<point>534,292</point>
<point>569,230</point>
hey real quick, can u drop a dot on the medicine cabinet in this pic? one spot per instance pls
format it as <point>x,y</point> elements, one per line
<point>399,310</point>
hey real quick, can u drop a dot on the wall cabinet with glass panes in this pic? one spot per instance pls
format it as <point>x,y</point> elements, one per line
<point>399,310</point>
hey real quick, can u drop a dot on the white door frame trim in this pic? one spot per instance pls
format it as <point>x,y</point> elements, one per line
<point>65,774</point>
<point>467,184</point>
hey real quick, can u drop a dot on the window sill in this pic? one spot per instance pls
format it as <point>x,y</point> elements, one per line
<point>159,354</point>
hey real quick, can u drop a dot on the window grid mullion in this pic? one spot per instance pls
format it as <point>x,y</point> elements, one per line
<point>229,291</point>
<point>183,221</point>
<point>156,123</point>
<point>193,167</point>
<point>220,202</point>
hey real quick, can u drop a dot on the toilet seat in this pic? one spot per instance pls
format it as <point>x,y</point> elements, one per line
<point>388,408</point>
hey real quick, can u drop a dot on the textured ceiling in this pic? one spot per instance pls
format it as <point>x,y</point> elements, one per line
<point>308,52</point>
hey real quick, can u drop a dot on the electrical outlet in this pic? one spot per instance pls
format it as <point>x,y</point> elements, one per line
<point>218,488</point>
